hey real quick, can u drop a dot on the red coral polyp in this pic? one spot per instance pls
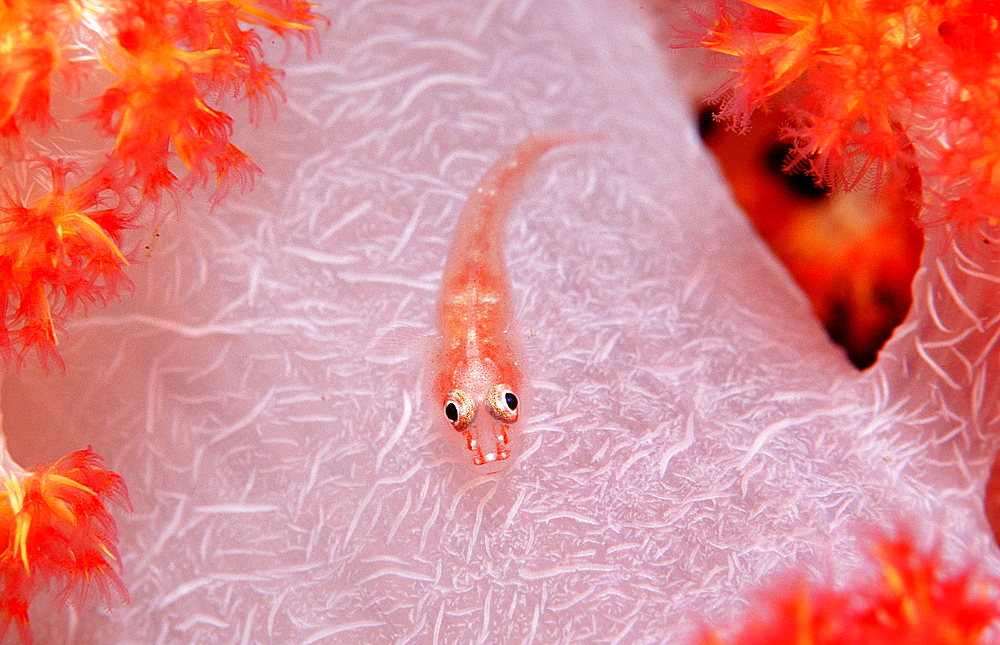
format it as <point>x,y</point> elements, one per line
<point>911,599</point>
<point>31,31</point>
<point>61,247</point>
<point>55,529</point>
<point>865,78</point>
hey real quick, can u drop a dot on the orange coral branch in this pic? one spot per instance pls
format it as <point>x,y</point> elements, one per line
<point>55,528</point>
<point>169,57</point>
<point>911,600</point>
<point>171,60</point>
<point>862,74</point>
<point>60,246</point>
<point>31,32</point>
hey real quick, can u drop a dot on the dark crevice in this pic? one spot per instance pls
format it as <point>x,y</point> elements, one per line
<point>854,256</point>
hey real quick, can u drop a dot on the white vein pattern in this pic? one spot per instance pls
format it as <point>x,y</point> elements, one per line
<point>689,430</point>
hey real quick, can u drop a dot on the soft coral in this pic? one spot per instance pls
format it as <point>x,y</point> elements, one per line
<point>861,70</point>
<point>31,35</point>
<point>62,246</point>
<point>55,528</point>
<point>170,62</point>
<point>910,601</point>
<point>856,69</point>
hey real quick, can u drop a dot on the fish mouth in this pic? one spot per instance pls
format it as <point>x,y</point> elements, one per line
<point>492,447</point>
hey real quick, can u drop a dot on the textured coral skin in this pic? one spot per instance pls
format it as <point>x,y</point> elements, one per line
<point>692,433</point>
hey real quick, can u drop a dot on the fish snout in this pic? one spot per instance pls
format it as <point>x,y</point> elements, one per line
<point>490,445</point>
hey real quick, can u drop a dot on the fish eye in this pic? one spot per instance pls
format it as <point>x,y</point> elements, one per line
<point>502,403</point>
<point>459,410</point>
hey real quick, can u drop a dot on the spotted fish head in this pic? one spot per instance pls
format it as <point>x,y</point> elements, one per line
<point>483,408</point>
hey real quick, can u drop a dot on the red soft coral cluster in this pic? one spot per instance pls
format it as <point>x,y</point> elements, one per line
<point>871,79</point>
<point>65,244</point>
<point>55,529</point>
<point>168,62</point>
<point>910,601</point>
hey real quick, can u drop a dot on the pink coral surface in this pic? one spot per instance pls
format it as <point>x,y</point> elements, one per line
<point>689,432</point>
